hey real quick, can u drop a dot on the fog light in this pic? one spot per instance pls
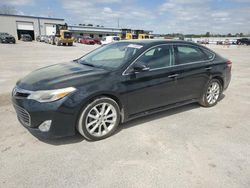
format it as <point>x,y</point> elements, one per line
<point>45,126</point>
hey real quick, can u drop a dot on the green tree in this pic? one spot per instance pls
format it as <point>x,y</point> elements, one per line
<point>207,34</point>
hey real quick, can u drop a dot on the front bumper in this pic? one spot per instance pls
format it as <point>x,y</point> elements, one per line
<point>66,40</point>
<point>31,114</point>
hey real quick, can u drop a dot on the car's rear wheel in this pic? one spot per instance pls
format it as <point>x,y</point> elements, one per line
<point>211,94</point>
<point>99,119</point>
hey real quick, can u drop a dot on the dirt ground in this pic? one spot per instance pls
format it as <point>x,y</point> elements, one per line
<point>189,146</point>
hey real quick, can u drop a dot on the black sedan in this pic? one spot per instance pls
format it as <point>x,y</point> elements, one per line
<point>116,83</point>
<point>243,41</point>
<point>7,38</point>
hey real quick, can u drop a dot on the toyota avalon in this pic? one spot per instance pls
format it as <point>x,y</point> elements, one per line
<point>118,82</point>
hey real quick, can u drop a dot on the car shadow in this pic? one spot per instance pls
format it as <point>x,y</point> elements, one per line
<point>158,115</point>
<point>145,119</point>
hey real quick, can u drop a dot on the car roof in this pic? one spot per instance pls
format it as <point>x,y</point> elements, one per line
<point>153,42</point>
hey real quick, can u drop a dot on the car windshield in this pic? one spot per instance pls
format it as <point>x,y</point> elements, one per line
<point>111,56</point>
<point>4,34</point>
<point>67,35</point>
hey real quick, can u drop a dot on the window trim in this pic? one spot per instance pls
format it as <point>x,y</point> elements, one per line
<point>173,59</point>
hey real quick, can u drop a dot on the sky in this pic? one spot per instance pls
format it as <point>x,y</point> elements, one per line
<point>160,16</point>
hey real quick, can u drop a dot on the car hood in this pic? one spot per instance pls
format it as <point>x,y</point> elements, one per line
<point>61,76</point>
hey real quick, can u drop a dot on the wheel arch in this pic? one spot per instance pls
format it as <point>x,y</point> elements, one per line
<point>105,94</point>
<point>220,79</point>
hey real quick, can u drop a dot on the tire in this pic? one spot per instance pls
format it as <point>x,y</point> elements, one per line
<point>211,93</point>
<point>70,44</point>
<point>99,119</point>
<point>58,43</point>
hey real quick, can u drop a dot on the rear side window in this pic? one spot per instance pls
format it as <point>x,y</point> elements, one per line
<point>189,54</point>
<point>209,54</point>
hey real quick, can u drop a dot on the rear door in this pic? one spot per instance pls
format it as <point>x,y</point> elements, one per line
<point>193,67</point>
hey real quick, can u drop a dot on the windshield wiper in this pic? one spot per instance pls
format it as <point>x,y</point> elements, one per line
<point>88,64</point>
<point>83,63</point>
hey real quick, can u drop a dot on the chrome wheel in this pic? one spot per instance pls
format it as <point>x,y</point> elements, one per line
<point>101,119</point>
<point>213,93</point>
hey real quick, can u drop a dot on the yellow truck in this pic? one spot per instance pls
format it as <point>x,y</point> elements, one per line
<point>63,36</point>
<point>126,34</point>
<point>139,34</point>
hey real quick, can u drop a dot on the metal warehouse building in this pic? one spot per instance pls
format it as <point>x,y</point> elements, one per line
<point>18,24</point>
<point>93,32</point>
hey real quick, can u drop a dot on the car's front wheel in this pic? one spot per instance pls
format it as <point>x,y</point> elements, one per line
<point>211,94</point>
<point>99,119</point>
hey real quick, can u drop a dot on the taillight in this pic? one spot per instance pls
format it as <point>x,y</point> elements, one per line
<point>229,64</point>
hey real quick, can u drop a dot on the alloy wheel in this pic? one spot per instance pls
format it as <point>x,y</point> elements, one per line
<point>101,119</point>
<point>213,93</point>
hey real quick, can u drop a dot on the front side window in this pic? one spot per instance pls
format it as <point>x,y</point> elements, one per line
<point>189,54</point>
<point>158,57</point>
<point>111,56</point>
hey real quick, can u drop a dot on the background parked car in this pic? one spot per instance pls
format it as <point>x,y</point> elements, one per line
<point>51,39</point>
<point>40,38</point>
<point>46,39</point>
<point>219,42</point>
<point>97,41</point>
<point>243,41</point>
<point>7,38</point>
<point>26,37</point>
<point>109,39</point>
<point>87,40</point>
<point>205,41</point>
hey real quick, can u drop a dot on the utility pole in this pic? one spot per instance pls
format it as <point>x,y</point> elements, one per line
<point>118,23</point>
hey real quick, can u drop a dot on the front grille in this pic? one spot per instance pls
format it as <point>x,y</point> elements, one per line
<point>23,115</point>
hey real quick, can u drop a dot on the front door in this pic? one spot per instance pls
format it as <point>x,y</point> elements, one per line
<point>155,87</point>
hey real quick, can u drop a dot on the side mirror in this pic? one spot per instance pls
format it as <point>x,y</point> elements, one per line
<point>139,67</point>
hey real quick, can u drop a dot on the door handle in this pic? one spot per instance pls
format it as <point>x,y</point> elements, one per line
<point>173,75</point>
<point>208,68</point>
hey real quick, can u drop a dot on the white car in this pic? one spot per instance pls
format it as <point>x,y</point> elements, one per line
<point>109,39</point>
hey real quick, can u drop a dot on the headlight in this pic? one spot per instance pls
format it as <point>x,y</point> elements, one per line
<point>51,95</point>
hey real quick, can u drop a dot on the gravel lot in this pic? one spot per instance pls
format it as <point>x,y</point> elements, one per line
<point>189,146</point>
